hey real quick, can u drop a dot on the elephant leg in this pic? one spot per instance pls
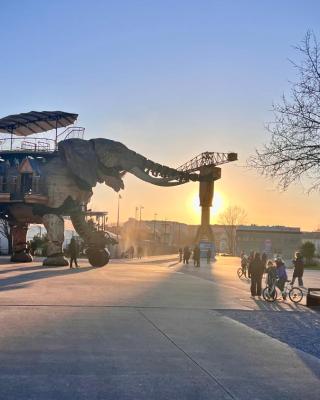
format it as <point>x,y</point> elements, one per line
<point>19,243</point>
<point>54,225</point>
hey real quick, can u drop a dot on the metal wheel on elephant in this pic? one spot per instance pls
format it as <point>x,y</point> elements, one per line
<point>98,257</point>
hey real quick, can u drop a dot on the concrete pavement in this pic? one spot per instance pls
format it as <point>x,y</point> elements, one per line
<point>142,330</point>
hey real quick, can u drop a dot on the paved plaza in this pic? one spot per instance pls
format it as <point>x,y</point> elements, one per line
<point>151,329</point>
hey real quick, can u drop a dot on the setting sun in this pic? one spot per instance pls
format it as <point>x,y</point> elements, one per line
<point>218,206</point>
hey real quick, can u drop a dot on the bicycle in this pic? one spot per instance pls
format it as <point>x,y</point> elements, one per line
<point>242,271</point>
<point>271,293</point>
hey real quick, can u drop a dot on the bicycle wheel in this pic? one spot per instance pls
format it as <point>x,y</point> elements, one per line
<point>295,294</point>
<point>239,272</point>
<point>269,294</point>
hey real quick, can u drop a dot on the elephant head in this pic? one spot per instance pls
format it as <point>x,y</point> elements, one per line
<point>104,160</point>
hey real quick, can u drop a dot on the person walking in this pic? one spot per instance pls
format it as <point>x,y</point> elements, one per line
<point>298,268</point>
<point>180,254</point>
<point>244,264</point>
<point>255,271</point>
<point>74,252</point>
<point>186,255</point>
<point>196,256</point>
<point>139,252</point>
<point>209,254</point>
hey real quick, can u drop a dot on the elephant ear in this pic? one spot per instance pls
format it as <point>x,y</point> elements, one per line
<point>81,160</point>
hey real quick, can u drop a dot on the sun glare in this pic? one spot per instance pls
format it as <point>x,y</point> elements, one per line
<point>218,205</point>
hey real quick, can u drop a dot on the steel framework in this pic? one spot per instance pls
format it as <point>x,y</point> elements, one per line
<point>207,159</point>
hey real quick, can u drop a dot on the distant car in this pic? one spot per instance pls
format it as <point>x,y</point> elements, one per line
<point>225,254</point>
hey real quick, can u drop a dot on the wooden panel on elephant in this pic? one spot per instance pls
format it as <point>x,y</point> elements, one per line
<point>4,197</point>
<point>24,213</point>
<point>36,198</point>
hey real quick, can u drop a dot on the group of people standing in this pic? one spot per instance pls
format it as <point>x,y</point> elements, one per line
<point>258,264</point>
<point>186,252</point>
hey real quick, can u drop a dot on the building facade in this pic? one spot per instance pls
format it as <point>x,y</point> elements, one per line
<point>273,240</point>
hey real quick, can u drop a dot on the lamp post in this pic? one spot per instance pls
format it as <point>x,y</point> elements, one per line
<point>141,208</point>
<point>118,215</point>
<point>154,226</point>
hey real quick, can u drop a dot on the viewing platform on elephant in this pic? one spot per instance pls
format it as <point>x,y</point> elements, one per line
<point>24,130</point>
<point>32,142</point>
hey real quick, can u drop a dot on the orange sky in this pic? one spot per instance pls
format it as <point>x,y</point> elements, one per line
<point>263,204</point>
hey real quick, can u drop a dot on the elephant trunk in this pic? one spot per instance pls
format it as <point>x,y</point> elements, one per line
<point>115,156</point>
<point>158,174</point>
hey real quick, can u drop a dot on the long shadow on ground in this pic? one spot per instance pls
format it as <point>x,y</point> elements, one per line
<point>300,330</point>
<point>22,280</point>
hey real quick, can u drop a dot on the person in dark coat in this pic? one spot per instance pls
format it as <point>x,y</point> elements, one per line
<point>298,269</point>
<point>180,254</point>
<point>209,254</point>
<point>264,261</point>
<point>196,256</point>
<point>186,255</point>
<point>255,271</point>
<point>74,252</point>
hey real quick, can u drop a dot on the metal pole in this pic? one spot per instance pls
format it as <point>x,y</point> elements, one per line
<point>56,141</point>
<point>154,226</point>
<point>118,216</point>
<point>141,208</point>
<point>165,230</point>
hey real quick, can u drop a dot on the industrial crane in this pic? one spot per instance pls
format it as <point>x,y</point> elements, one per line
<point>206,164</point>
<point>207,159</point>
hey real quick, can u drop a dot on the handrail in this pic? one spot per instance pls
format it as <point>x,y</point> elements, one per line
<point>67,132</point>
<point>39,144</point>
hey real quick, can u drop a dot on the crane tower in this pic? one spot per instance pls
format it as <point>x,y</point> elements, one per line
<point>207,166</point>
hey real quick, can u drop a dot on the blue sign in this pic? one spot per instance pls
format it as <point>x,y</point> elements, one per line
<point>204,247</point>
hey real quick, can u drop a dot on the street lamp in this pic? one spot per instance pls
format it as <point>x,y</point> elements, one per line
<point>118,215</point>
<point>141,208</point>
<point>154,226</point>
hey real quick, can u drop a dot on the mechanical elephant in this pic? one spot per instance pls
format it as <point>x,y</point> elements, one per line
<point>67,178</point>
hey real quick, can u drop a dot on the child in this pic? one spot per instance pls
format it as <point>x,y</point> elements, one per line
<point>271,274</point>
<point>282,276</point>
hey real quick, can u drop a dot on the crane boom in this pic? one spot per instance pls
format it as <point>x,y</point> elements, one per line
<point>207,159</point>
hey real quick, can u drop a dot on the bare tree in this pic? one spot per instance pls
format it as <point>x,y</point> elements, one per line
<point>232,217</point>
<point>294,149</point>
<point>6,233</point>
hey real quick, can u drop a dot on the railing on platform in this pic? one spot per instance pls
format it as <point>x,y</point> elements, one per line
<point>72,132</point>
<point>39,144</point>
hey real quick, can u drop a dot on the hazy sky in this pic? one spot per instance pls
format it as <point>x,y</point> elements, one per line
<point>169,79</point>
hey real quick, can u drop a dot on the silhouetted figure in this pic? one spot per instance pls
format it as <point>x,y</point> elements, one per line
<point>131,252</point>
<point>186,255</point>
<point>209,254</point>
<point>139,252</point>
<point>255,271</point>
<point>298,269</point>
<point>74,252</point>
<point>180,254</point>
<point>196,256</point>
